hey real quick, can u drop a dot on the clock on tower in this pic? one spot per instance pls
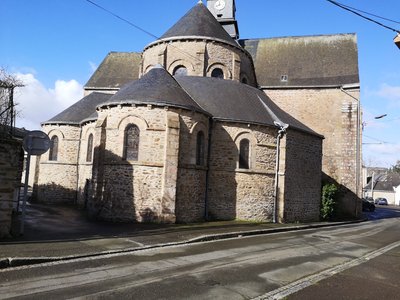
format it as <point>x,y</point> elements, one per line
<point>224,11</point>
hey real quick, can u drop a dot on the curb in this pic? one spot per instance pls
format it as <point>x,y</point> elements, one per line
<point>13,262</point>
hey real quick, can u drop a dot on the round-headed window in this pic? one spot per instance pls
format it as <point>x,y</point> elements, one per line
<point>217,73</point>
<point>180,71</point>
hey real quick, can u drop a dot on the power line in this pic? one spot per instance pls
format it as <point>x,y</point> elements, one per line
<point>375,139</point>
<point>124,20</point>
<point>362,16</point>
<point>367,13</point>
<point>139,28</point>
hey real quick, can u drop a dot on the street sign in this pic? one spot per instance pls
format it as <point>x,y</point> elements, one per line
<point>36,142</point>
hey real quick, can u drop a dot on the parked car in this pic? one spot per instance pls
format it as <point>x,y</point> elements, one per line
<point>367,206</point>
<point>370,199</point>
<point>382,201</point>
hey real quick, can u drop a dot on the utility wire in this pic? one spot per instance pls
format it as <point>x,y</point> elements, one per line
<point>367,13</point>
<point>140,28</point>
<point>122,19</point>
<point>362,16</point>
<point>375,139</point>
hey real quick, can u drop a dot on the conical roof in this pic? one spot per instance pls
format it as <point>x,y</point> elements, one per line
<point>199,22</point>
<point>80,111</point>
<point>157,87</point>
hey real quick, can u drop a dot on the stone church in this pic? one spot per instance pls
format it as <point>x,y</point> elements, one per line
<point>203,125</point>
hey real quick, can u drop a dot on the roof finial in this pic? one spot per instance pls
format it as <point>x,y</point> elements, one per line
<point>200,2</point>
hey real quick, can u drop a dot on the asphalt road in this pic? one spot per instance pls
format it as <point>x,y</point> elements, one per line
<point>260,267</point>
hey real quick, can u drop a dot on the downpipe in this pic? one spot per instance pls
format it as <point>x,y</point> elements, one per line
<point>281,133</point>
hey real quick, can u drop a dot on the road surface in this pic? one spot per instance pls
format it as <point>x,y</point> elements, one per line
<point>258,267</point>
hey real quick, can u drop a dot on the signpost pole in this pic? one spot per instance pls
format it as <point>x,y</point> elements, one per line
<point>28,163</point>
<point>35,143</point>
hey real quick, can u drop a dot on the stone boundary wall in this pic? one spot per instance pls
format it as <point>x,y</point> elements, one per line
<point>11,160</point>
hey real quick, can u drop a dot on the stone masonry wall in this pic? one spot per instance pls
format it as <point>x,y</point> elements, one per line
<point>333,114</point>
<point>57,180</point>
<point>191,185</point>
<point>301,175</point>
<point>142,190</point>
<point>11,159</point>
<point>208,55</point>
<point>85,167</point>
<point>235,193</point>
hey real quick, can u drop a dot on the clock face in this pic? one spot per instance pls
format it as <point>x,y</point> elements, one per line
<point>219,5</point>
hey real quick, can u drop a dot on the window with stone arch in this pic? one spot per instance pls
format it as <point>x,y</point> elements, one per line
<point>217,73</point>
<point>131,142</point>
<point>180,71</point>
<point>53,154</point>
<point>89,153</point>
<point>200,149</point>
<point>244,154</point>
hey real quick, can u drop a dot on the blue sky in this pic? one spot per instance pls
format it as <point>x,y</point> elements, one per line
<point>55,45</point>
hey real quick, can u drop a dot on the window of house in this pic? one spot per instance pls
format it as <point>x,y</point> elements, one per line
<point>53,154</point>
<point>244,154</point>
<point>217,73</point>
<point>200,149</point>
<point>180,71</point>
<point>131,142</point>
<point>89,153</point>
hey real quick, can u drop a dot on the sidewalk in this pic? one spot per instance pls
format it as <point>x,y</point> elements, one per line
<point>63,232</point>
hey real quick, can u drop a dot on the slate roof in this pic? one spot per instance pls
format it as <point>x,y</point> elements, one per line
<point>225,100</point>
<point>82,110</point>
<point>156,87</point>
<point>199,22</point>
<point>115,70</point>
<point>307,60</point>
<point>386,183</point>
<point>232,101</point>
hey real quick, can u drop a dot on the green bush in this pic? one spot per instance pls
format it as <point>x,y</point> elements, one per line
<point>328,201</point>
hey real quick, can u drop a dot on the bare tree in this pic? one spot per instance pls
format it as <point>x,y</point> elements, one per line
<point>8,83</point>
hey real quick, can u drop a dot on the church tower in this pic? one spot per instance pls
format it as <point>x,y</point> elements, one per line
<point>224,11</point>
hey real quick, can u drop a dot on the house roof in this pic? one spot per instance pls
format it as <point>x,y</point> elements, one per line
<point>199,22</point>
<point>386,183</point>
<point>115,70</point>
<point>80,111</point>
<point>306,61</point>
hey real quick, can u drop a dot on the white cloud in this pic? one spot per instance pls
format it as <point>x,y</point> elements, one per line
<point>389,92</point>
<point>36,103</point>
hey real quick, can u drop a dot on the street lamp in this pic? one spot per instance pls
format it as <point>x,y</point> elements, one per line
<point>364,124</point>
<point>381,116</point>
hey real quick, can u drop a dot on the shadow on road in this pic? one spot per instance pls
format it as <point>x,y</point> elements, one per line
<point>383,212</point>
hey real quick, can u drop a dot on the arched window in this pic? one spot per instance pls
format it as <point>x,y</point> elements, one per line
<point>89,153</point>
<point>217,73</point>
<point>180,71</point>
<point>131,142</point>
<point>53,154</point>
<point>244,80</point>
<point>200,149</point>
<point>244,154</point>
